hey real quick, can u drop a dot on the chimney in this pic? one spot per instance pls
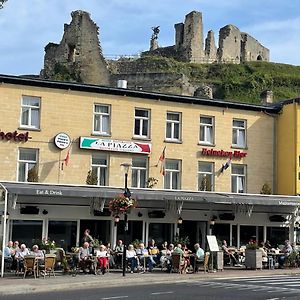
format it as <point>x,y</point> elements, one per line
<point>266,97</point>
<point>122,84</point>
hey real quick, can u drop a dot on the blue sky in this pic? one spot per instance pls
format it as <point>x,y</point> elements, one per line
<point>125,26</point>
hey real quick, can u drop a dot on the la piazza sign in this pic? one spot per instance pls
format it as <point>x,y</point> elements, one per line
<point>221,153</point>
<point>114,145</point>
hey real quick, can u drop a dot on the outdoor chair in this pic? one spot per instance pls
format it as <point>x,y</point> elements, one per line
<point>178,265</point>
<point>204,263</point>
<point>48,267</point>
<point>30,266</point>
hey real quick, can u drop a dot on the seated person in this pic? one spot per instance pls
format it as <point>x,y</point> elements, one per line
<point>228,253</point>
<point>198,256</point>
<point>264,252</point>
<point>287,250</point>
<point>183,262</point>
<point>131,258</point>
<point>9,253</point>
<point>102,257</point>
<point>166,260</point>
<point>144,257</point>
<point>20,256</point>
<point>110,254</point>
<point>39,255</point>
<point>84,258</point>
<point>154,251</point>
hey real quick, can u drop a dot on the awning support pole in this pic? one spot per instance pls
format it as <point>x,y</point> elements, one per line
<point>4,227</point>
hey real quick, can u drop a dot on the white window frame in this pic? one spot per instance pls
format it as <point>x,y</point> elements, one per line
<point>138,170</point>
<point>238,180</point>
<point>102,117</point>
<point>208,174</point>
<point>26,163</point>
<point>99,167</point>
<point>172,174</point>
<point>30,108</point>
<point>241,134</point>
<point>173,124</point>
<point>141,121</point>
<point>208,131</point>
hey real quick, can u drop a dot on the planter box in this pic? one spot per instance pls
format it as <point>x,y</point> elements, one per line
<point>253,259</point>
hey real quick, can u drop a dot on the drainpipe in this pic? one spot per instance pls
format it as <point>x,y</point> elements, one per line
<point>4,228</point>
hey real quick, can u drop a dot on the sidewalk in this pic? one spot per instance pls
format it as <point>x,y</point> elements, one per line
<point>17,285</point>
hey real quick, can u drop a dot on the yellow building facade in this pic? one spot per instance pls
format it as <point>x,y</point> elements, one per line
<point>202,160</point>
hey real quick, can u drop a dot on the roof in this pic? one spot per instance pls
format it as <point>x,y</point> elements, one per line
<point>89,88</point>
<point>73,191</point>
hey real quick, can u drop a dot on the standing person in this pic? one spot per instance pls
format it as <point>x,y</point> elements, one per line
<point>119,253</point>
<point>89,239</point>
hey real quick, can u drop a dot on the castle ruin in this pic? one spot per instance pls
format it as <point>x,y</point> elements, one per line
<point>79,52</point>
<point>234,46</point>
<point>78,57</point>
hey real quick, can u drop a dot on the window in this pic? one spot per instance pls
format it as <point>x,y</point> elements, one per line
<point>205,176</point>
<point>30,112</point>
<point>173,126</point>
<point>141,123</point>
<point>238,178</point>
<point>139,172</point>
<point>172,174</point>
<point>100,168</point>
<point>27,162</point>
<point>206,130</point>
<point>239,133</point>
<point>102,119</point>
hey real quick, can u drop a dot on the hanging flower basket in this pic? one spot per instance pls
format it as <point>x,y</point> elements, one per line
<point>121,204</point>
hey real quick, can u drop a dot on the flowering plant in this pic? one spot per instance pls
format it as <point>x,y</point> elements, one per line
<point>121,204</point>
<point>47,244</point>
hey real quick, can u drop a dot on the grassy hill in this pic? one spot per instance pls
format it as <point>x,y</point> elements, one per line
<point>242,82</point>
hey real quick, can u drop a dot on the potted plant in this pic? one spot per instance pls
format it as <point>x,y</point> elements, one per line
<point>47,245</point>
<point>121,205</point>
<point>253,256</point>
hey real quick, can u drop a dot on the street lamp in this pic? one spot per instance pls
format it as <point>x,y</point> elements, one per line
<point>127,194</point>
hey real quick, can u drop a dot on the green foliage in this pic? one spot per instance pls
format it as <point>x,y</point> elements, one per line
<point>136,243</point>
<point>92,178</point>
<point>61,73</point>
<point>151,182</point>
<point>183,240</point>
<point>234,82</point>
<point>252,246</point>
<point>266,189</point>
<point>32,175</point>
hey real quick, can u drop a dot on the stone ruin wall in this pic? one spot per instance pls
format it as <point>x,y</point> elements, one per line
<point>234,46</point>
<point>79,51</point>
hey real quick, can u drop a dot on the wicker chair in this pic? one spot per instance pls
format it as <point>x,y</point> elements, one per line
<point>48,267</point>
<point>30,265</point>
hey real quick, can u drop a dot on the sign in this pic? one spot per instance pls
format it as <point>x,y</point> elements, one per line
<point>114,145</point>
<point>14,136</point>
<point>49,192</point>
<point>212,243</point>
<point>62,140</point>
<point>221,153</point>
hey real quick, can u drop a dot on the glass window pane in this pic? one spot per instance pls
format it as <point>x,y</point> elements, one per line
<point>145,128</point>
<point>205,120</point>
<point>238,123</point>
<point>172,165</point>
<point>22,172</point>
<point>137,127</point>
<point>139,162</point>
<point>141,113</point>
<point>27,154</point>
<point>143,178</point>
<point>35,118</point>
<point>105,124</point>
<point>176,131</point>
<point>97,123</point>
<point>173,116</point>
<point>31,101</point>
<point>169,131</point>
<point>25,116</point>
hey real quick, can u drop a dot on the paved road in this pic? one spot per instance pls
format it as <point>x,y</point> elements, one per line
<point>259,288</point>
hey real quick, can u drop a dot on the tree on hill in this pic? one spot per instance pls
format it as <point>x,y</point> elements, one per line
<point>1,3</point>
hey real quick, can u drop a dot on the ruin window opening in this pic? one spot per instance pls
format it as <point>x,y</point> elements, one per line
<point>259,58</point>
<point>71,53</point>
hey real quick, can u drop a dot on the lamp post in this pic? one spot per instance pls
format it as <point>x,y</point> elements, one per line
<point>127,194</point>
<point>179,224</point>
